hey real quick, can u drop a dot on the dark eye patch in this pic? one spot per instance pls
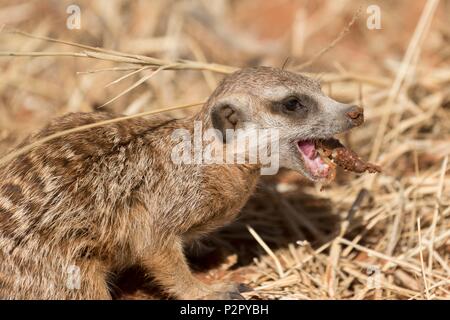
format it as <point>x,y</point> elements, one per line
<point>294,105</point>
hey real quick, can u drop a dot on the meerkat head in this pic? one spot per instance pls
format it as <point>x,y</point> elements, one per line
<point>291,103</point>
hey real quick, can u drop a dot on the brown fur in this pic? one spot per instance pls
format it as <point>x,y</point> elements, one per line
<point>109,197</point>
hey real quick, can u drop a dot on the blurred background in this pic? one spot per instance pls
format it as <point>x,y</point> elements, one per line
<point>361,231</point>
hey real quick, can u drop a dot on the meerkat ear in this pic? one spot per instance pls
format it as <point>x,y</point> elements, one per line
<point>228,114</point>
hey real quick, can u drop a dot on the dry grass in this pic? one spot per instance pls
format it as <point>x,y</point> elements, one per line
<point>363,237</point>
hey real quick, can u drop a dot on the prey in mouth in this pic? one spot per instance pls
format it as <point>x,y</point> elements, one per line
<point>320,158</point>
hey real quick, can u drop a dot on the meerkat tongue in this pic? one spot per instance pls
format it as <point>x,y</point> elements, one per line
<point>308,148</point>
<point>312,159</point>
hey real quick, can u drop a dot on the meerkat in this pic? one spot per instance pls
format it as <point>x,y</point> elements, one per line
<point>91,203</point>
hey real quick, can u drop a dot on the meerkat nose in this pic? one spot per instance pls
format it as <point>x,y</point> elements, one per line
<point>356,115</point>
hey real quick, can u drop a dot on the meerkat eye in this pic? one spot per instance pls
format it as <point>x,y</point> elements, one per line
<point>293,104</point>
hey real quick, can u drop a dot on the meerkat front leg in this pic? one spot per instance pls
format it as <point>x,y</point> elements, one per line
<point>170,269</point>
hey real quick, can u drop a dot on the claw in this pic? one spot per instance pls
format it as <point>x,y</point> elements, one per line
<point>244,288</point>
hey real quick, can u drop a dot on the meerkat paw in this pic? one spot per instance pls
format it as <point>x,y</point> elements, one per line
<point>228,291</point>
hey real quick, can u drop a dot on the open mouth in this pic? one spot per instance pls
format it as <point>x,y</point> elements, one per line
<point>318,166</point>
<point>322,156</point>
